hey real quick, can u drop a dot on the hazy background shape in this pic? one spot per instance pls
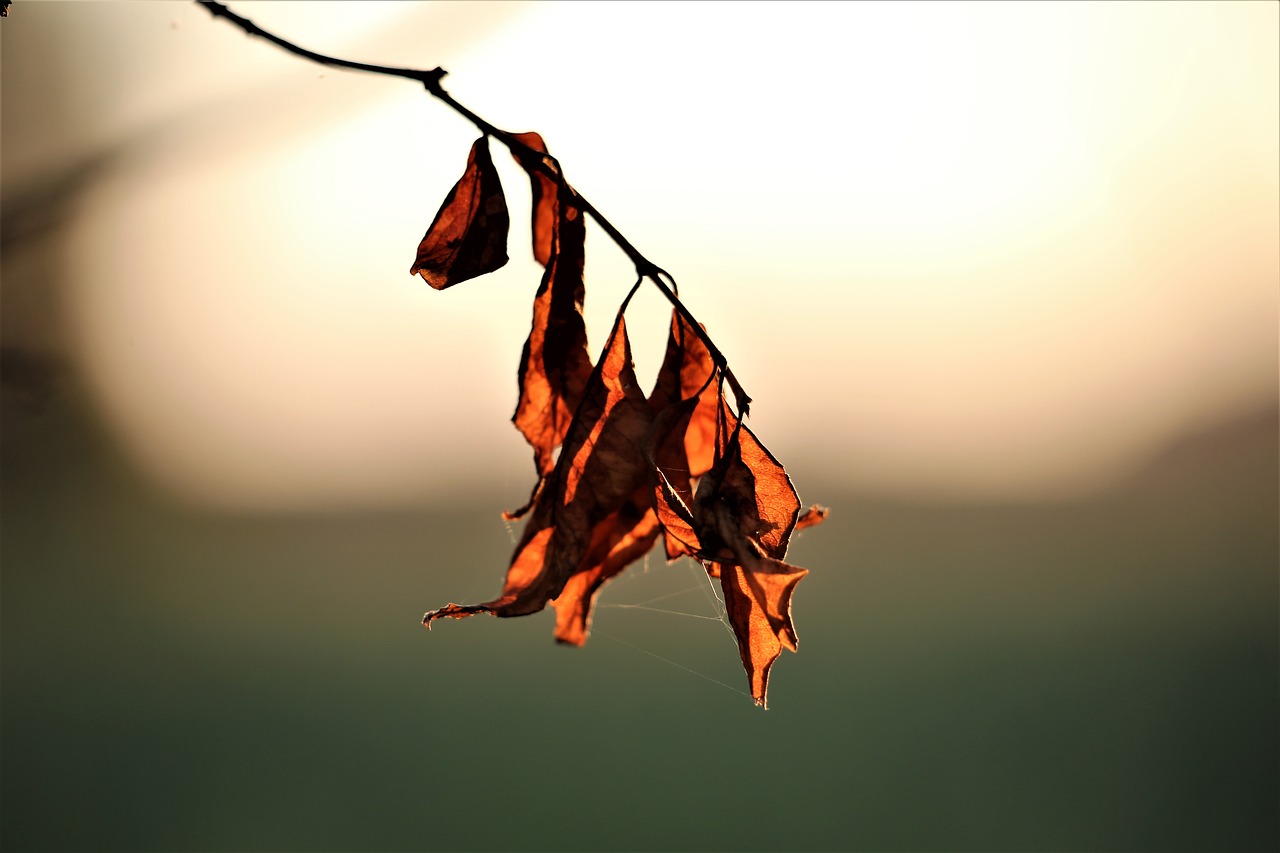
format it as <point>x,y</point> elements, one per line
<point>1002,281</point>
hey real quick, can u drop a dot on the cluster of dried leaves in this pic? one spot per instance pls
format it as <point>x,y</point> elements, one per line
<point>677,465</point>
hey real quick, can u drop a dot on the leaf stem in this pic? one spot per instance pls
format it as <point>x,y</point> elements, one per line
<point>431,81</point>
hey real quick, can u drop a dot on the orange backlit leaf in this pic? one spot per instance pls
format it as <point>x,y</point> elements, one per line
<point>555,364</point>
<point>682,442</point>
<point>617,542</point>
<point>758,604</point>
<point>672,489</point>
<point>544,191</point>
<point>755,487</point>
<point>744,513</point>
<point>813,515</point>
<point>468,237</point>
<point>686,372</point>
<point>599,468</point>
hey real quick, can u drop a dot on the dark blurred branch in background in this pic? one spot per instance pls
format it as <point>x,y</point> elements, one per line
<point>32,219</point>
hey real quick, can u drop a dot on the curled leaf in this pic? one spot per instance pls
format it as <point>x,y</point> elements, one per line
<point>468,237</point>
<point>744,513</point>
<point>686,373</point>
<point>599,468</point>
<point>555,364</point>
<point>622,538</point>
<point>672,490</point>
<point>682,442</point>
<point>544,192</point>
<point>815,514</point>
<point>758,604</point>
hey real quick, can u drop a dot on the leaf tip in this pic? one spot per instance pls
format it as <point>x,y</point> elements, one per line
<point>815,514</point>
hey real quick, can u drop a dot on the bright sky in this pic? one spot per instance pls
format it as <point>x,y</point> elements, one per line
<point>998,250</point>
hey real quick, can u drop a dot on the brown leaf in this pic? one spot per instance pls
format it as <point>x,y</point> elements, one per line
<point>813,515</point>
<point>682,441</point>
<point>686,372</point>
<point>617,542</point>
<point>744,512</point>
<point>600,466</point>
<point>669,454</point>
<point>758,604</point>
<point>468,237</point>
<point>555,364</point>
<point>753,489</point>
<point>671,500</point>
<point>545,194</point>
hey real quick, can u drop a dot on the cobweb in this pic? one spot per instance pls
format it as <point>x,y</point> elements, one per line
<point>696,598</point>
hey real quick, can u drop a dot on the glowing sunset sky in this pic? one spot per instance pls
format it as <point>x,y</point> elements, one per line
<point>996,249</point>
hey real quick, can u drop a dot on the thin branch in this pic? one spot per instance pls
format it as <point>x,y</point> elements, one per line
<point>431,81</point>
<point>218,10</point>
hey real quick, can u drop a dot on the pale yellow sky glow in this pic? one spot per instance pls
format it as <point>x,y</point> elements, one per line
<point>997,250</point>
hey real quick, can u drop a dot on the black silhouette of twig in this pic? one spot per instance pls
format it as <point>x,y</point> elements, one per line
<point>430,80</point>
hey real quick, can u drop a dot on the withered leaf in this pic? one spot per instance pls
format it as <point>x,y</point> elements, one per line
<point>758,604</point>
<point>813,515</point>
<point>622,538</point>
<point>744,513</point>
<point>555,364</point>
<point>671,500</point>
<point>545,193</point>
<point>682,442</point>
<point>686,373</point>
<point>600,466</point>
<point>468,237</point>
<point>753,488</point>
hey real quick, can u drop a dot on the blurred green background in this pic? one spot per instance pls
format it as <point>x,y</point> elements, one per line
<point>1027,356</point>
<point>1090,675</point>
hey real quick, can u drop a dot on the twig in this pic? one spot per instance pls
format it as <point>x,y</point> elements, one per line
<point>431,81</point>
<point>218,10</point>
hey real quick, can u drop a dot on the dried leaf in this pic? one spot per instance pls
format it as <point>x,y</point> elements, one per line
<point>813,515</point>
<point>672,487</point>
<point>686,372</point>
<point>617,542</point>
<point>744,513</point>
<point>682,442</point>
<point>468,237</point>
<point>599,468</point>
<point>545,193</point>
<point>758,604</point>
<point>754,489</point>
<point>555,364</point>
